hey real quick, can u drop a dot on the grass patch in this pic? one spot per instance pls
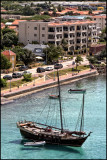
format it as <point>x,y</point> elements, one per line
<point>69,70</point>
<point>16,83</point>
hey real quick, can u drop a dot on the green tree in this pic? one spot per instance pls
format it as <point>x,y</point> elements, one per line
<point>27,57</point>
<point>59,8</point>
<point>27,11</point>
<point>54,12</point>
<point>38,10</point>
<point>52,53</point>
<point>90,11</point>
<point>18,50</point>
<point>27,77</point>
<point>7,30</point>
<point>10,39</point>
<point>5,63</point>
<point>78,60</point>
<point>91,59</point>
<point>3,82</point>
<point>64,44</point>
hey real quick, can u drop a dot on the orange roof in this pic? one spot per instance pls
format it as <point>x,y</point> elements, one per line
<point>69,23</point>
<point>2,25</point>
<point>99,16</point>
<point>16,22</point>
<point>8,53</point>
<point>3,10</point>
<point>12,27</point>
<point>64,11</point>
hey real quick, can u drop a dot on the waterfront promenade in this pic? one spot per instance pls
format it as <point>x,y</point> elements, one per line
<point>42,83</point>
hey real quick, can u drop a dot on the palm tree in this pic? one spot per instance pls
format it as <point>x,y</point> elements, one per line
<point>78,60</point>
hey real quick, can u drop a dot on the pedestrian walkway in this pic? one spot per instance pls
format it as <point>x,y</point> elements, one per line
<point>41,82</point>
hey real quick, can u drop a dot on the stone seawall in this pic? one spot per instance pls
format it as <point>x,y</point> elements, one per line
<point>50,84</point>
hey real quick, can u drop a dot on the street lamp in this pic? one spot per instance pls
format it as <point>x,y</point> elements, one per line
<point>10,85</point>
<point>34,80</point>
<point>54,76</point>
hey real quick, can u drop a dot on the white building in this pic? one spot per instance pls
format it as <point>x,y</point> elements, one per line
<point>100,20</point>
<point>78,34</point>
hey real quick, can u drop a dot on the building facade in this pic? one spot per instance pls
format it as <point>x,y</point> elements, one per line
<point>78,34</point>
<point>101,20</point>
<point>11,56</point>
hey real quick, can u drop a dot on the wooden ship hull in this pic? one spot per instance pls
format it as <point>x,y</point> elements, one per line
<point>50,137</point>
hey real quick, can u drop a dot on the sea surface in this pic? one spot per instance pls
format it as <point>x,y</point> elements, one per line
<point>38,107</point>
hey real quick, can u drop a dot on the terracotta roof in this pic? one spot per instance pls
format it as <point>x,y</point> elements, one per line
<point>69,23</point>
<point>12,27</point>
<point>3,10</point>
<point>8,53</point>
<point>99,16</point>
<point>16,22</point>
<point>2,25</point>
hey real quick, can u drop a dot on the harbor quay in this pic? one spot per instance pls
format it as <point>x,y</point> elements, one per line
<point>42,84</point>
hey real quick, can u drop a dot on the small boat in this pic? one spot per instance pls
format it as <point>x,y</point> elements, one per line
<point>77,90</point>
<point>54,96</point>
<point>40,143</point>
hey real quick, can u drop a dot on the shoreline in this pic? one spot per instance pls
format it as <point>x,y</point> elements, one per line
<point>21,93</point>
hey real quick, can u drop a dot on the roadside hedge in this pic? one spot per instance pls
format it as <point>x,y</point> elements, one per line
<point>3,82</point>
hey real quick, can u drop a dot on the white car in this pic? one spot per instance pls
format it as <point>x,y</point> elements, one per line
<point>48,69</point>
<point>26,72</point>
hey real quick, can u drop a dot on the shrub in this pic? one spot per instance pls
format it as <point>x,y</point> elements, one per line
<point>27,77</point>
<point>3,82</point>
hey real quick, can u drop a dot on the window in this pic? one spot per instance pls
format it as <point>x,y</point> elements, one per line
<point>43,28</point>
<point>35,28</point>
<point>13,58</point>
<point>35,35</point>
<point>43,35</point>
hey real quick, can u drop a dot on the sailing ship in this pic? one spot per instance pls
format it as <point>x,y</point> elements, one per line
<point>51,134</point>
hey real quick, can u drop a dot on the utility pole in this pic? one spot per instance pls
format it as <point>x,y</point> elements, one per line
<point>10,85</point>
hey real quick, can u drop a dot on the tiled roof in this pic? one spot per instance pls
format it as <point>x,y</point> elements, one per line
<point>16,22</point>
<point>3,10</point>
<point>99,16</point>
<point>12,27</point>
<point>2,25</point>
<point>8,53</point>
<point>69,23</point>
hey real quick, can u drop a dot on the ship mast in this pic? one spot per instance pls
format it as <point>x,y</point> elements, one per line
<point>60,102</point>
<point>82,116</point>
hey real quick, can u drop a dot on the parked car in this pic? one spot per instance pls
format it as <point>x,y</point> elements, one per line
<point>26,72</point>
<point>8,77</point>
<point>58,66</point>
<point>16,75</point>
<point>23,68</point>
<point>39,70</point>
<point>73,63</point>
<point>48,69</point>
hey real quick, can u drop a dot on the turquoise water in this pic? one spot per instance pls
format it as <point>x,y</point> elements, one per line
<point>33,108</point>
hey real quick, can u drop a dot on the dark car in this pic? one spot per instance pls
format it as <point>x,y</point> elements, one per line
<point>39,70</point>
<point>58,66</point>
<point>8,77</point>
<point>17,75</point>
<point>23,68</point>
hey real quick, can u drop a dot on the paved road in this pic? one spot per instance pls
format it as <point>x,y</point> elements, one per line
<point>66,64</point>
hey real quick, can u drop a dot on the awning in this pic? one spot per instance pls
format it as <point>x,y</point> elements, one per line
<point>39,57</point>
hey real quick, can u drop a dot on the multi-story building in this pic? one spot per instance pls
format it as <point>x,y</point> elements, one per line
<point>78,34</point>
<point>100,20</point>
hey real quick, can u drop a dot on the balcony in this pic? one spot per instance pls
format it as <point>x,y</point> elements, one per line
<point>51,29</point>
<point>78,28</point>
<point>51,37</point>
